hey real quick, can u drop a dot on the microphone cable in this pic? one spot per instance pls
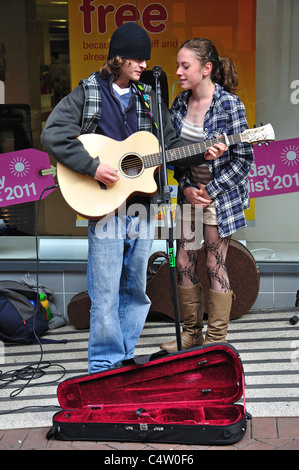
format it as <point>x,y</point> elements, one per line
<point>37,369</point>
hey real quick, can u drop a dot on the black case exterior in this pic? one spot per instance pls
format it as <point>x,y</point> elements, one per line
<point>170,433</point>
<point>176,433</point>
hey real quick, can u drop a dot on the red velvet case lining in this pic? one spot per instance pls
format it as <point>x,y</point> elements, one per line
<point>194,387</point>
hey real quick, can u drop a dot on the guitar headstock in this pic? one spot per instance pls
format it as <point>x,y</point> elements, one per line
<point>258,134</point>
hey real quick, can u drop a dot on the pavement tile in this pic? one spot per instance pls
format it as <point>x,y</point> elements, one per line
<point>35,439</point>
<point>258,445</point>
<point>290,445</point>
<point>263,427</point>
<point>288,427</point>
<point>12,439</point>
<point>80,445</point>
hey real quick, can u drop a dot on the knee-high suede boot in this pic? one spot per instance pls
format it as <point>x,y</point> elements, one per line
<point>219,307</point>
<point>191,304</point>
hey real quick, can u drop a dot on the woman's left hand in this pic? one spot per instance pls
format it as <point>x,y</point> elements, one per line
<point>215,152</point>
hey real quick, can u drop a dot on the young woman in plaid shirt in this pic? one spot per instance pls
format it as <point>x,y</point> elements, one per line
<point>207,108</point>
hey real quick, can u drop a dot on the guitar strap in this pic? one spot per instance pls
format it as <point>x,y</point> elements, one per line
<point>141,93</point>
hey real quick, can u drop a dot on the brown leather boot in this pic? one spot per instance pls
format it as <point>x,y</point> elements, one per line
<point>191,304</point>
<point>219,307</point>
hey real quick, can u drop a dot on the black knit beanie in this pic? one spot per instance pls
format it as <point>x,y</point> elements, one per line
<point>130,41</point>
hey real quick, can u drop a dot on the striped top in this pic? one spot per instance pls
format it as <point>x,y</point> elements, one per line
<point>194,133</point>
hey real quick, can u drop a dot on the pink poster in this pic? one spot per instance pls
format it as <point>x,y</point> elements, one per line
<point>20,176</point>
<point>275,170</point>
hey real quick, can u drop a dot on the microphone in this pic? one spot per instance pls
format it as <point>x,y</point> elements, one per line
<point>157,70</point>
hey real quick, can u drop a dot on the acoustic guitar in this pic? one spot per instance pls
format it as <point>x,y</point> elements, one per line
<point>137,159</point>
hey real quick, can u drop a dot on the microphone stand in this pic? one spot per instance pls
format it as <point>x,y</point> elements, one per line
<point>295,318</point>
<point>166,201</point>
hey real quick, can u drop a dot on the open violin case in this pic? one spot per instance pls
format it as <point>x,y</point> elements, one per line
<point>187,397</point>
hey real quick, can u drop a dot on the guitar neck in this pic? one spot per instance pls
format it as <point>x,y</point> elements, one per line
<point>188,150</point>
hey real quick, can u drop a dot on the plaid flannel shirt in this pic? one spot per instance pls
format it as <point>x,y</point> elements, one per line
<point>228,187</point>
<point>92,108</point>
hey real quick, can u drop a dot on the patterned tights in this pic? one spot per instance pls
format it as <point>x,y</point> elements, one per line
<point>216,251</point>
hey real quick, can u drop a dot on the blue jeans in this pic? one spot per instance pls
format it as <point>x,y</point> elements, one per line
<point>116,281</point>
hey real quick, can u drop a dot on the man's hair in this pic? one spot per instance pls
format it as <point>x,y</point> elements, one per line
<point>112,66</point>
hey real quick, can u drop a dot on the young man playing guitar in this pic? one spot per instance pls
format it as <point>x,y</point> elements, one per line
<point>110,103</point>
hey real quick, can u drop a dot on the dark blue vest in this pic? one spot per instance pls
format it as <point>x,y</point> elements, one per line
<point>116,122</point>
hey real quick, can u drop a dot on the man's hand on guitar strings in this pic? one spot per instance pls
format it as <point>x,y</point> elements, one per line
<point>106,174</point>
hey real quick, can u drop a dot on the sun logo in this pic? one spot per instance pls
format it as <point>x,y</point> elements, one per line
<point>290,155</point>
<point>19,167</point>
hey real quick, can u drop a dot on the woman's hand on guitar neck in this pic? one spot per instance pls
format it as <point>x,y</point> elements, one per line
<point>106,174</point>
<point>216,151</point>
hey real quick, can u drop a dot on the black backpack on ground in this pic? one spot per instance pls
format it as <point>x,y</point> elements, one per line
<point>22,317</point>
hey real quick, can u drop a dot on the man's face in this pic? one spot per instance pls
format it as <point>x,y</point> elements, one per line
<point>131,71</point>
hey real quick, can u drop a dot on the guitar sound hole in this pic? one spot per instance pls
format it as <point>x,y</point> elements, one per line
<point>131,165</point>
